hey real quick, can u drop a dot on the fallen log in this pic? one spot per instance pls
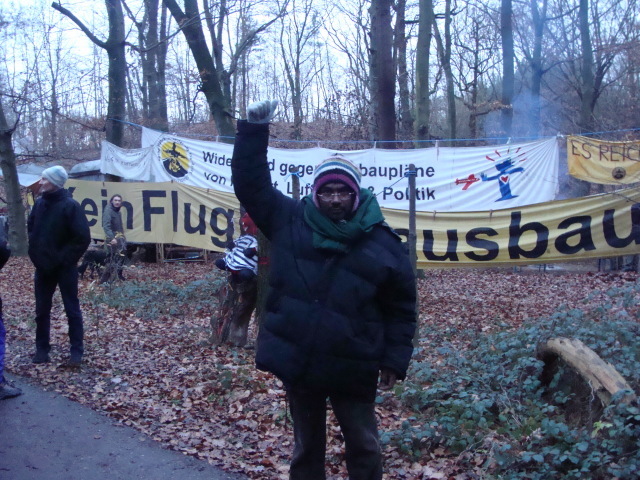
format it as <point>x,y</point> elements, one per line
<point>603,378</point>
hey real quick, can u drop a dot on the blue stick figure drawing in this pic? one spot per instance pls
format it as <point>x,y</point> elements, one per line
<point>505,169</point>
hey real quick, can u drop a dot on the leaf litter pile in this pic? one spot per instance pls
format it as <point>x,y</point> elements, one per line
<point>159,376</point>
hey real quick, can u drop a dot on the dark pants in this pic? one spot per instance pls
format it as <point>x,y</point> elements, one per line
<point>66,279</point>
<point>359,428</point>
<point>239,276</point>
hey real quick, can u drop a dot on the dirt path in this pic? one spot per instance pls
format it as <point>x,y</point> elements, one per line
<point>44,436</point>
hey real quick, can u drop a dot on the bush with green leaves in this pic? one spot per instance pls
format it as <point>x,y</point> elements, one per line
<point>488,400</point>
<point>153,299</point>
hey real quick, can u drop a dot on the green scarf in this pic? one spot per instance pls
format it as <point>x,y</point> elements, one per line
<point>339,236</point>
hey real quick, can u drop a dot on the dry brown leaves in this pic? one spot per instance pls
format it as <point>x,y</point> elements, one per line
<point>158,377</point>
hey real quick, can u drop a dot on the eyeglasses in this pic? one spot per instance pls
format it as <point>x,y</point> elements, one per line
<point>328,196</point>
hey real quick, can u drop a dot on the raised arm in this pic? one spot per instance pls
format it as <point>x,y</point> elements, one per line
<point>250,170</point>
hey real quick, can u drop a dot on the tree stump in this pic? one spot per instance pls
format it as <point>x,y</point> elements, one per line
<point>231,323</point>
<point>601,376</point>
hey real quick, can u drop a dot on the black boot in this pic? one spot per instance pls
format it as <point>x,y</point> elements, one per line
<point>41,357</point>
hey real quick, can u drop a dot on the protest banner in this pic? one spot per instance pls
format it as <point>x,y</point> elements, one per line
<point>447,178</point>
<point>590,227</point>
<point>609,163</point>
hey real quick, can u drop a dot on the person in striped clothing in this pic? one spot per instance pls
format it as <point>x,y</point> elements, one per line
<point>241,258</point>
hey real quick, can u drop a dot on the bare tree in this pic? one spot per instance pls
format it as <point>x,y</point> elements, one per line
<point>152,48</point>
<point>423,51</point>
<point>476,42</point>
<point>298,31</point>
<point>535,60</point>
<point>400,59</point>
<point>352,102</point>
<point>382,71</point>
<point>508,74</point>
<point>115,48</point>
<point>191,24</point>
<point>17,225</point>
<point>588,78</point>
<point>444,53</point>
<point>214,77</point>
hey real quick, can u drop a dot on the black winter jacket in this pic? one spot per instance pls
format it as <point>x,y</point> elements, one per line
<point>332,320</point>
<point>58,231</point>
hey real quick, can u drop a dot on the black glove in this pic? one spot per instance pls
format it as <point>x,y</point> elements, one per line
<point>250,252</point>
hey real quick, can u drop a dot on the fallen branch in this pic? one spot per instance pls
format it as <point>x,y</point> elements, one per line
<point>602,376</point>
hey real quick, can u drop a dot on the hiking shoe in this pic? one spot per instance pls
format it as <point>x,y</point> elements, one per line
<point>41,357</point>
<point>8,391</point>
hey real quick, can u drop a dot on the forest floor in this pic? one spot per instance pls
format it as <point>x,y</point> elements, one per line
<point>158,375</point>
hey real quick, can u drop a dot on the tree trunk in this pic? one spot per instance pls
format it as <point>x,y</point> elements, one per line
<point>291,59</point>
<point>116,110</point>
<point>115,48</point>
<point>506,31</point>
<point>587,71</point>
<point>382,72</point>
<point>539,19</point>
<point>587,88</point>
<point>191,25</point>
<point>152,56</point>
<point>444,51</point>
<point>425,26</point>
<point>17,224</point>
<point>406,118</point>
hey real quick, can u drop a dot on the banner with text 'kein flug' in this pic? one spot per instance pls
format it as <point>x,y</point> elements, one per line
<point>598,226</point>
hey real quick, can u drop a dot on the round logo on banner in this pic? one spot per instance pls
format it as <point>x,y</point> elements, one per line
<point>618,173</point>
<point>174,156</point>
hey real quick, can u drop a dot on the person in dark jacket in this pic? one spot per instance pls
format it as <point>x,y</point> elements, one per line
<point>58,237</point>
<point>6,389</point>
<point>340,312</point>
<point>115,240</point>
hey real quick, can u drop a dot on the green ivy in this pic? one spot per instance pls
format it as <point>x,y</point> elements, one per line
<point>489,400</point>
<point>153,299</point>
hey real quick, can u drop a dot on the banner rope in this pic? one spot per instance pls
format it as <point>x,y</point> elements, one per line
<point>435,141</point>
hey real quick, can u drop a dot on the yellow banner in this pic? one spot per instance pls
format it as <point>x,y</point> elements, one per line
<point>610,163</point>
<point>162,212</point>
<point>591,227</point>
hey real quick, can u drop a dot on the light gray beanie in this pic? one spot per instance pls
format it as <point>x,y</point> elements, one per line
<point>56,175</point>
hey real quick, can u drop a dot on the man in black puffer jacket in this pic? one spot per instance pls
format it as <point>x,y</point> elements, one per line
<point>58,237</point>
<point>340,313</point>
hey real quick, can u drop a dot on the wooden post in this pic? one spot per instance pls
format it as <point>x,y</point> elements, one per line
<point>412,239</point>
<point>413,255</point>
<point>295,182</point>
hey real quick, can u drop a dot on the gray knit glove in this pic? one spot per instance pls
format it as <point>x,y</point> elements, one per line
<point>262,112</point>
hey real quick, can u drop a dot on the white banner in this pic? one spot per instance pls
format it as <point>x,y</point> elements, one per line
<point>448,179</point>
